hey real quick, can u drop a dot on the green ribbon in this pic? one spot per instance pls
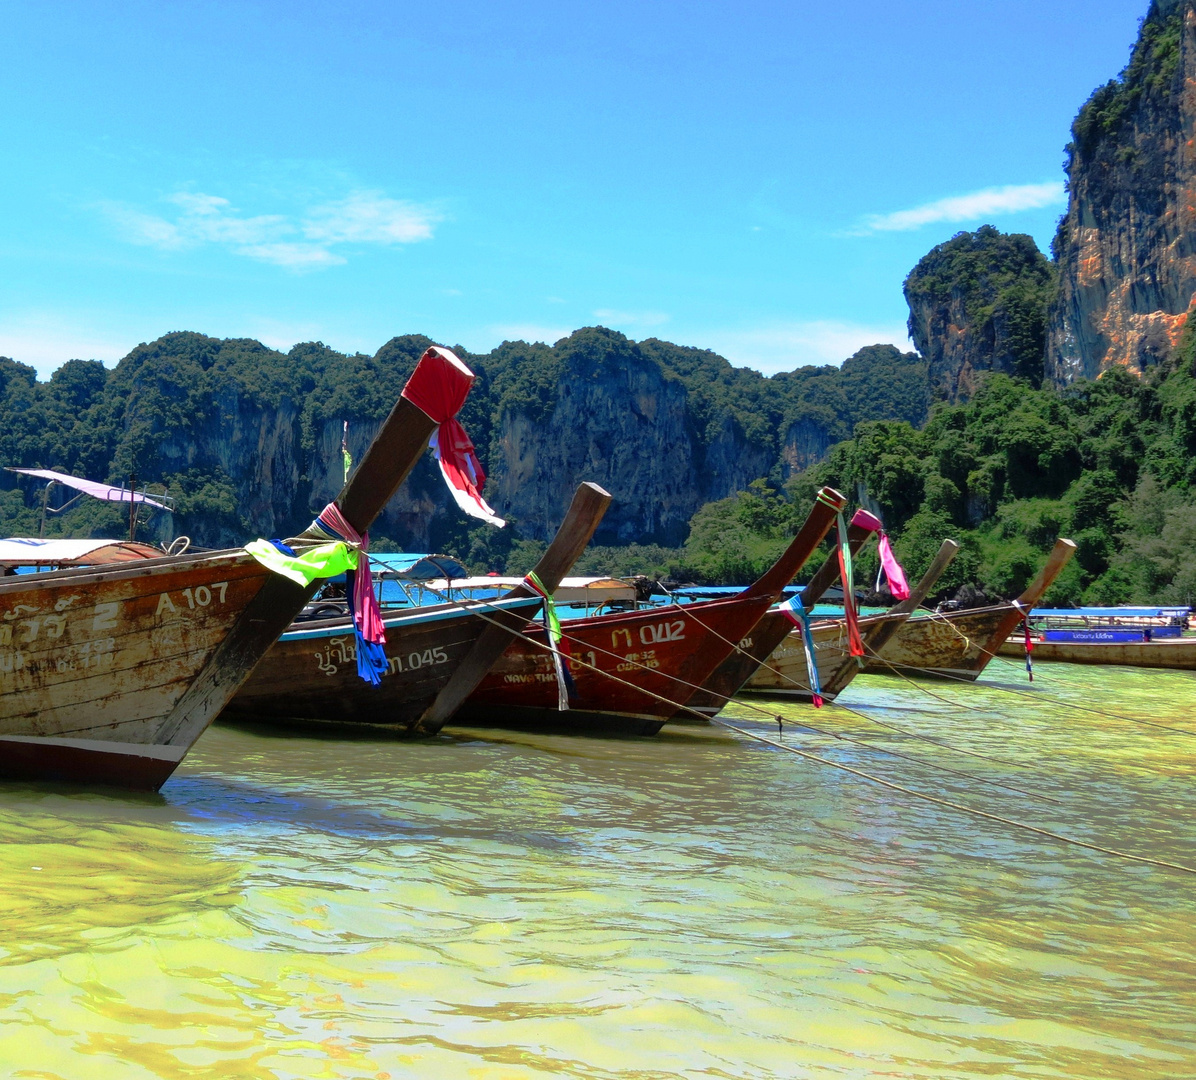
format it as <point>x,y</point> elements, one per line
<point>323,561</point>
<point>552,623</point>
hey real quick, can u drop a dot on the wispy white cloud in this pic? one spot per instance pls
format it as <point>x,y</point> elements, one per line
<point>991,202</point>
<point>302,243</point>
<point>527,332</point>
<point>46,340</point>
<point>785,346</point>
<point>610,317</point>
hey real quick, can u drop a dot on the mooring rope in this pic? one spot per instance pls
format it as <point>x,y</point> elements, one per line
<point>959,806</point>
<point>862,774</point>
<point>767,714</point>
<point>1037,696</point>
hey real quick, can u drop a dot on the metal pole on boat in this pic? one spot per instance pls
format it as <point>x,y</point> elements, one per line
<point>41,529</point>
<point>132,506</point>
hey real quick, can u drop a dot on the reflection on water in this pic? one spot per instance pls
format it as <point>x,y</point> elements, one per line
<point>501,904</point>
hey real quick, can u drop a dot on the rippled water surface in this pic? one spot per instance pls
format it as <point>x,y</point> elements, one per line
<point>501,904</point>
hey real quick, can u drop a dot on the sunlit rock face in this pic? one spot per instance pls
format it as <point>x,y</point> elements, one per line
<point>978,304</point>
<point>614,416</point>
<point>1126,249</point>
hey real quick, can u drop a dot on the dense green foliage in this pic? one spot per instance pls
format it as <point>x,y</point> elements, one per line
<point>1002,283</point>
<point>1111,464</point>
<point>237,432</point>
<point>1152,67</point>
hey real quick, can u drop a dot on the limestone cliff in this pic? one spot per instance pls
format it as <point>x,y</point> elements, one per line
<point>248,439</point>
<point>977,304</point>
<point>1126,250</point>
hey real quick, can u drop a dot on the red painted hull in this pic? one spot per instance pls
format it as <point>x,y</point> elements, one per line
<point>629,670</point>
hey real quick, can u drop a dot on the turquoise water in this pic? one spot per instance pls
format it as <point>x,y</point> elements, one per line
<point>502,904</point>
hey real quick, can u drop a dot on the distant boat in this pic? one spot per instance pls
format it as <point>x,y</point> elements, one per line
<point>109,673</point>
<point>786,671</point>
<point>1127,636</point>
<point>959,644</point>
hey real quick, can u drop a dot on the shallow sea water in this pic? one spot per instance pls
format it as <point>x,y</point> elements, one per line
<point>500,904</point>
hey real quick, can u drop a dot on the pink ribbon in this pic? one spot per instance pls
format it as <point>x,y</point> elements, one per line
<point>367,616</point>
<point>898,586</point>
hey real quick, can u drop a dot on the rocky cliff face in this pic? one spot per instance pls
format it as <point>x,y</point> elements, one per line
<point>248,439</point>
<point>1126,250</point>
<point>977,304</point>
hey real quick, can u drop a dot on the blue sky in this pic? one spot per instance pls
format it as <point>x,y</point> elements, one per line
<point>757,178</point>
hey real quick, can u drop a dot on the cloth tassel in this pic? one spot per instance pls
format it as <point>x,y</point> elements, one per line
<point>796,614</point>
<point>847,577</point>
<point>552,622</point>
<point>462,471</point>
<point>898,586</point>
<point>363,604</point>
<point>371,656</point>
<point>1029,647</point>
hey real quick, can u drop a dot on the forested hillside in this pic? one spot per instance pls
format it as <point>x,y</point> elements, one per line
<point>247,439</point>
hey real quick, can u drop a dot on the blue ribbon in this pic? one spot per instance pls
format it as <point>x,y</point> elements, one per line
<point>797,615</point>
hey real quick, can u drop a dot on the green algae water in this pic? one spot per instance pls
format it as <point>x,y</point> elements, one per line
<point>509,905</point>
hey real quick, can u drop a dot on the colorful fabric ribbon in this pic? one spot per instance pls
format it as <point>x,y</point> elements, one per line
<point>363,604</point>
<point>898,586</point>
<point>796,614</point>
<point>440,389</point>
<point>462,471</point>
<point>324,561</point>
<point>345,456</point>
<point>847,576</point>
<point>552,622</point>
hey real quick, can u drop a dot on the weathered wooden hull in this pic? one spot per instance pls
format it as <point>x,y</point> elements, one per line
<point>632,668</point>
<point>310,676</point>
<point>108,676</point>
<point>785,673</point>
<point>955,646</point>
<point>100,669</point>
<point>1179,653</point>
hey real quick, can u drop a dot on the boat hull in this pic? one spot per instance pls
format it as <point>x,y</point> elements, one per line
<point>310,675</point>
<point>109,675</point>
<point>957,646</point>
<point>1178,654</point>
<point>785,673</point>
<point>630,670</point>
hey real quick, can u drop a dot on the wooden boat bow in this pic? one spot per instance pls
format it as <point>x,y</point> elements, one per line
<point>585,512</point>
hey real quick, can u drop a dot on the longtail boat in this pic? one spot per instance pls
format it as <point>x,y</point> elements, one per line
<point>436,654</point>
<point>1125,636</point>
<point>109,674</point>
<point>959,644</point>
<point>629,670</point>
<point>786,673</point>
<point>772,629</point>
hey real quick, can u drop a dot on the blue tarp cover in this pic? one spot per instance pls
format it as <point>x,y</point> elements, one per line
<point>1110,612</point>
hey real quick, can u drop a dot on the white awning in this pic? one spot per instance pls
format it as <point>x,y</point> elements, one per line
<point>21,551</point>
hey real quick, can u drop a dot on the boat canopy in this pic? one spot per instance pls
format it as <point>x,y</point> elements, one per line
<point>106,492</point>
<point>402,566</point>
<point>22,551</point>
<point>1111,613</point>
<point>571,590</point>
